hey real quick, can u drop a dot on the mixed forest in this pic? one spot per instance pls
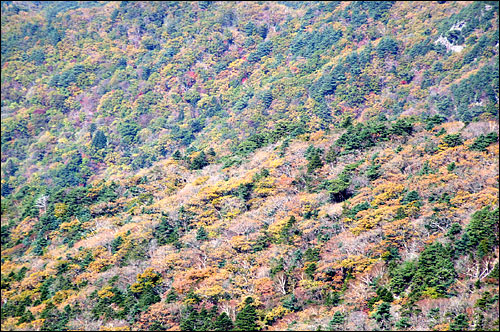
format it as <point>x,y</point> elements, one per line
<point>218,166</point>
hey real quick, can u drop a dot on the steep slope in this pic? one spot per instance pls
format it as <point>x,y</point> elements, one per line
<point>336,162</point>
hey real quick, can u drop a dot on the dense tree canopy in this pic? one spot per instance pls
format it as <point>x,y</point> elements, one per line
<point>244,166</point>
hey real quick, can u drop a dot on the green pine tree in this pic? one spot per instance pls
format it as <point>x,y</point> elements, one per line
<point>99,141</point>
<point>412,196</point>
<point>165,233</point>
<point>403,323</point>
<point>191,321</point>
<point>202,234</point>
<point>460,323</point>
<point>384,294</point>
<point>223,323</point>
<point>267,98</point>
<point>171,296</point>
<point>285,231</point>
<point>479,230</point>
<point>157,326</point>
<point>434,269</point>
<point>115,244</point>
<point>314,163</point>
<point>199,161</point>
<point>337,322</point>
<point>372,172</point>
<point>331,155</point>
<point>211,152</point>
<point>177,155</point>
<point>246,319</point>
<point>148,297</point>
<point>453,140</point>
<point>383,315</point>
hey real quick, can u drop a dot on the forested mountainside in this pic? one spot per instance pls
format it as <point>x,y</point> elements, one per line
<point>249,165</point>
